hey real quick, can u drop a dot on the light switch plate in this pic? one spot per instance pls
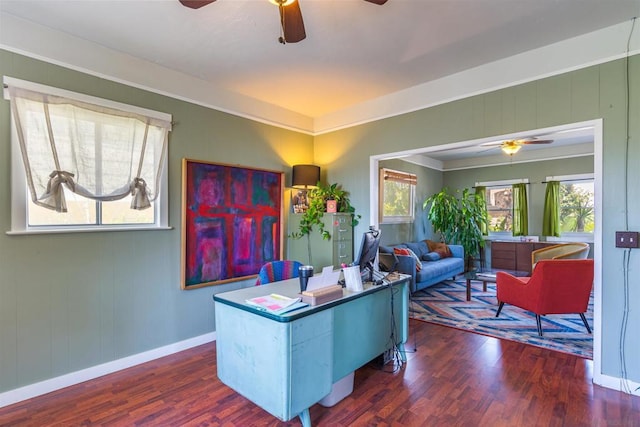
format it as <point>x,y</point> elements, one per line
<point>627,239</point>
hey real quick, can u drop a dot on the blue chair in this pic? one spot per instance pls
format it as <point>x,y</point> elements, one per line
<point>277,270</point>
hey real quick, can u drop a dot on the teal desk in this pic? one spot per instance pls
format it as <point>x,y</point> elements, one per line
<point>287,363</point>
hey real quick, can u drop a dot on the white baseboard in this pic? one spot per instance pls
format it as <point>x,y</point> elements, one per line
<point>32,390</point>
<point>619,384</point>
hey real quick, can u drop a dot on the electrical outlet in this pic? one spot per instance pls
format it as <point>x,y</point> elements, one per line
<point>627,239</point>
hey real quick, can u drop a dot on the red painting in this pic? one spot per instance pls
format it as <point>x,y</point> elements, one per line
<point>232,222</point>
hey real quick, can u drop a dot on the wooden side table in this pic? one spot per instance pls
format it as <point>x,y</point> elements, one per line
<point>487,276</point>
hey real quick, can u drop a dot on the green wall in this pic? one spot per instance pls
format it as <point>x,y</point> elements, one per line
<point>536,172</point>
<point>72,301</point>
<point>429,182</point>
<point>596,92</point>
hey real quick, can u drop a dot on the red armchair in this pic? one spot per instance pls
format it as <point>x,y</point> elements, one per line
<point>555,287</point>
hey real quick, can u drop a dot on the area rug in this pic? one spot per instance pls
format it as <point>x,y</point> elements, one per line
<point>446,304</point>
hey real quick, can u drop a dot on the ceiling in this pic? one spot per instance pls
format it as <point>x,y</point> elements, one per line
<point>567,141</point>
<point>356,52</point>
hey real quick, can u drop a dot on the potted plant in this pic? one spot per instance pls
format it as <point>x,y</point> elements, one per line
<point>459,220</point>
<point>312,217</point>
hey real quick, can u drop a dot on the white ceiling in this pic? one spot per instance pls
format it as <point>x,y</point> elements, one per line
<point>355,52</point>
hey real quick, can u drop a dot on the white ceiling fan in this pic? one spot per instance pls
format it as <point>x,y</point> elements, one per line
<point>512,146</point>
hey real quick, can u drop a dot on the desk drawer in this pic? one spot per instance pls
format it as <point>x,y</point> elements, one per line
<point>343,251</point>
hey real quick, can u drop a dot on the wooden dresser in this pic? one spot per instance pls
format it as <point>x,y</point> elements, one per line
<point>514,255</point>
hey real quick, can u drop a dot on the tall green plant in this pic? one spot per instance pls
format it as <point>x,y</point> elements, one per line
<point>458,219</point>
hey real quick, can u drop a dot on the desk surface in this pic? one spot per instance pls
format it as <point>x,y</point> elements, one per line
<point>291,288</point>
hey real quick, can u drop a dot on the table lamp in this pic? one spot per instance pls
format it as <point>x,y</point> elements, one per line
<point>303,177</point>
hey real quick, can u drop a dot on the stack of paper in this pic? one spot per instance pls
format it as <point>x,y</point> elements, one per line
<point>275,303</point>
<point>328,277</point>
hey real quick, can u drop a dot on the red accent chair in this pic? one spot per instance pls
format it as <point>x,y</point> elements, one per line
<point>556,287</point>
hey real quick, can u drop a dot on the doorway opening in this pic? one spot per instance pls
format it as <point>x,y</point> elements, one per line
<point>475,154</point>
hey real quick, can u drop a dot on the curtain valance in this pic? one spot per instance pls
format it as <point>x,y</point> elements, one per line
<point>96,151</point>
<point>400,177</point>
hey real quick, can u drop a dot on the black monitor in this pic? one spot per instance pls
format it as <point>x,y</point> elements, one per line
<point>368,252</point>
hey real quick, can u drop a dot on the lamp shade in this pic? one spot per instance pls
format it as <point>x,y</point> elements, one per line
<point>304,176</point>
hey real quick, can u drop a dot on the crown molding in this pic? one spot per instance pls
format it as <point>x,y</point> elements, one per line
<point>58,48</point>
<point>42,43</point>
<point>572,54</point>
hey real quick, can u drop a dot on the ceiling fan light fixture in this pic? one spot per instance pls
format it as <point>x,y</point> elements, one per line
<point>510,147</point>
<point>281,2</point>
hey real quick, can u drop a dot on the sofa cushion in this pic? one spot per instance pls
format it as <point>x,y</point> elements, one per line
<point>431,256</point>
<point>440,248</point>
<point>446,266</point>
<point>385,249</point>
<point>409,252</point>
<point>418,248</point>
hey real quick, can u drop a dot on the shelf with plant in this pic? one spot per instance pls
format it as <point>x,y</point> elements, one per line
<point>312,218</point>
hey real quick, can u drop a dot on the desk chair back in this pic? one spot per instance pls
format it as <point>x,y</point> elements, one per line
<point>275,271</point>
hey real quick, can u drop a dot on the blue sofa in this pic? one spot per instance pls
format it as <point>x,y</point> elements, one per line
<point>434,268</point>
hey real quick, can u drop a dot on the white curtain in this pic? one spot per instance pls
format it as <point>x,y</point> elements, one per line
<point>98,152</point>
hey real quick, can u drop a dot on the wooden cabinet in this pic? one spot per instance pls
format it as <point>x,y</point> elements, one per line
<point>514,255</point>
<point>335,251</point>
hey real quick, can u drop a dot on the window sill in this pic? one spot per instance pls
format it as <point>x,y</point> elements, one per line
<point>83,230</point>
<point>396,221</point>
<point>586,238</point>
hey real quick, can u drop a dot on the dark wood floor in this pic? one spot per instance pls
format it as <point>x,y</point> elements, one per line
<point>454,379</point>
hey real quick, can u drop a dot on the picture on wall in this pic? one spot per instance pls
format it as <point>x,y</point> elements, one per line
<point>231,222</point>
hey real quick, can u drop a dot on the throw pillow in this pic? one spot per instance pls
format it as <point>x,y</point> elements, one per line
<point>431,256</point>
<point>440,248</point>
<point>418,248</point>
<point>409,252</point>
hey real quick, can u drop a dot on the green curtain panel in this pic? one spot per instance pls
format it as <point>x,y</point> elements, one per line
<point>481,193</point>
<point>520,210</point>
<point>551,214</point>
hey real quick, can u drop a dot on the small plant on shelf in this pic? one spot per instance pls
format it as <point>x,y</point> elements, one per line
<point>312,217</point>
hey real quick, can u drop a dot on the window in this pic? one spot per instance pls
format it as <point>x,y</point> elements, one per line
<point>576,203</point>
<point>84,163</point>
<point>500,208</point>
<point>499,200</point>
<point>397,194</point>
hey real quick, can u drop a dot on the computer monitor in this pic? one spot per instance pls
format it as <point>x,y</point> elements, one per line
<point>368,253</point>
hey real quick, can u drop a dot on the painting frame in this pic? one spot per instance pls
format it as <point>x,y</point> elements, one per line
<point>232,222</point>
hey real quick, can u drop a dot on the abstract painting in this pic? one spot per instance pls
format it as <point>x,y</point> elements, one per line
<point>231,222</point>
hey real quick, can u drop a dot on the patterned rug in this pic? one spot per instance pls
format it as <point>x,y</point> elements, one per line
<point>446,304</point>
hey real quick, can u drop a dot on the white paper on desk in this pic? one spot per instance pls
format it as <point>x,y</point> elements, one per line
<point>328,277</point>
<point>352,278</point>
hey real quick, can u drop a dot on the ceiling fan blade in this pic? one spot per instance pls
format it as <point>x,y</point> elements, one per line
<point>492,144</point>
<point>537,141</point>
<point>195,4</point>
<point>292,23</point>
<point>377,1</point>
